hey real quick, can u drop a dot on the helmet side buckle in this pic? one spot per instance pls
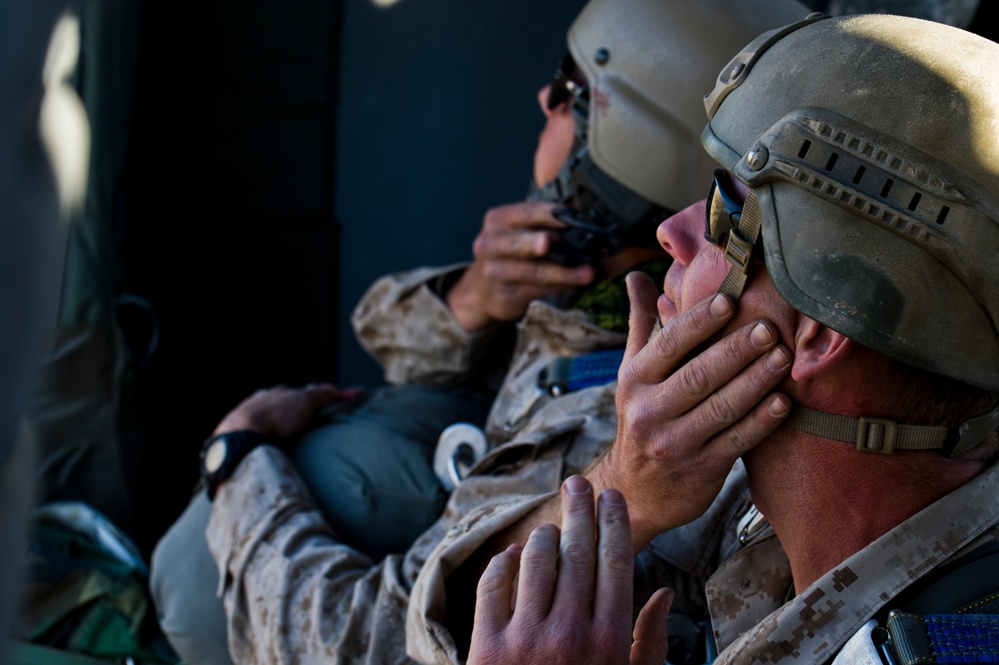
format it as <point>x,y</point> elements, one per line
<point>876,435</point>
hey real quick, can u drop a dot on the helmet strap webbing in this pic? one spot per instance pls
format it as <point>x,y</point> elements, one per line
<point>884,435</point>
<point>739,249</point>
<point>868,434</point>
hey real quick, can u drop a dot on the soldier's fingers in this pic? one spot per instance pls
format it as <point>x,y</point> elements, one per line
<point>752,428</point>
<point>679,337</point>
<point>651,641</point>
<point>643,316</point>
<point>525,244</point>
<point>541,273</point>
<point>537,575</point>
<point>714,379</point>
<point>523,215</point>
<point>612,605</point>
<point>577,549</point>
<point>495,590</point>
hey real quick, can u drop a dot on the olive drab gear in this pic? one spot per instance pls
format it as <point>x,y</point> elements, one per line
<point>871,145</point>
<point>636,157</point>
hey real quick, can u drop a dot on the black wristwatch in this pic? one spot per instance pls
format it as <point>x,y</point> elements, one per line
<point>221,454</point>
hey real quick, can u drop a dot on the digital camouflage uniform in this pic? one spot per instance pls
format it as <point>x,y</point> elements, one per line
<point>294,594</point>
<point>278,558</point>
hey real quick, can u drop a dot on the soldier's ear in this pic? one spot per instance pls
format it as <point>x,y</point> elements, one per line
<point>818,349</point>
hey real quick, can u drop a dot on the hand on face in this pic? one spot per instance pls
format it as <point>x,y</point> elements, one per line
<point>282,412</point>
<point>510,270</point>
<point>573,601</point>
<point>683,421</point>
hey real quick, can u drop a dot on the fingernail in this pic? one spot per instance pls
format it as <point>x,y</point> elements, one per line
<point>777,360</point>
<point>778,407</point>
<point>720,306</point>
<point>670,595</point>
<point>576,485</point>
<point>761,336</point>
<point>611,497</point>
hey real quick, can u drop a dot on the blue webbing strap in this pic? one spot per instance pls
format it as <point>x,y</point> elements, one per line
<point>944,638</point>
<point>566,374</point>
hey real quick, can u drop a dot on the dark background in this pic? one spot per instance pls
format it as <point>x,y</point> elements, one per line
<point>281,157</point>
<point>261,163</point>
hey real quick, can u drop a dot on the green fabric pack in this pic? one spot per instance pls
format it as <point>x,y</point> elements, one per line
<point>87,591</point>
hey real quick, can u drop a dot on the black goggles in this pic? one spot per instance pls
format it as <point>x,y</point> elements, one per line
<point>562,86</point>
<point>723,211</point>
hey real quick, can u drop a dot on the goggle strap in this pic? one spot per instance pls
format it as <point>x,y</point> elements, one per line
<point>740,252</point>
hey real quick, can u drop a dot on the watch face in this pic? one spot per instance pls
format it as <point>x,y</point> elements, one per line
<point>215,456</point>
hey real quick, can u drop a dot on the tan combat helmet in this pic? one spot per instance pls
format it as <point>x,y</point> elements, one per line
<point>637,155</point>
<point>871,145</point>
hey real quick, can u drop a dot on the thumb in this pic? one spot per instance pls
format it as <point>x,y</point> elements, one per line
<point>643,317</point>
<point>651,640</point>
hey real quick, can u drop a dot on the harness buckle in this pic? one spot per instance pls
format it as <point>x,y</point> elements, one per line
<point>554,379</point>
<point>739,251</point>
<point>876,435</point>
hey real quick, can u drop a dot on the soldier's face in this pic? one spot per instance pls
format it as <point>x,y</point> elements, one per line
<point>699,263</point>
<point>555,141</point>
<point>698,268</point>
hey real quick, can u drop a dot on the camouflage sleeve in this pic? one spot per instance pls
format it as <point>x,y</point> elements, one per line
<point>292,593</point>
<point>480,508</point>
<point>403,322</point>
<point>430,634</point>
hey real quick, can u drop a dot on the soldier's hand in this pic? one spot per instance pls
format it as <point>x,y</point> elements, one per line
<point>573,599</point>
<point>510,269</point>
<point>281,412</point>
<point>683,421</point>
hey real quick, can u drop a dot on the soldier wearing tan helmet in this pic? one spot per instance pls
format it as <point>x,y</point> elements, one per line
<point>538,316</point>
<point>850,363</point>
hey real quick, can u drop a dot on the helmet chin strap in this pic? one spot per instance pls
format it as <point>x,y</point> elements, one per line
<point>884,435</point>
<point>868,434</point>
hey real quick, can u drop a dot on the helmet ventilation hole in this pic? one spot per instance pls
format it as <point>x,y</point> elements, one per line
<point>848,168</point>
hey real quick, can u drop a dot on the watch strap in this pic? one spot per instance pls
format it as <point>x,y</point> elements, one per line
<point>238,444</point>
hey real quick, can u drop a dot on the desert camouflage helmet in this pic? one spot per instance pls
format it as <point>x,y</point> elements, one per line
<point>647,64</point>
<point>871,145</point>
<point>635,156</point>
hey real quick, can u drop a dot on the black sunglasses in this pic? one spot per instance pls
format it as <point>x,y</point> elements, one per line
<point>723,211</point>
<point>563,87</point>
